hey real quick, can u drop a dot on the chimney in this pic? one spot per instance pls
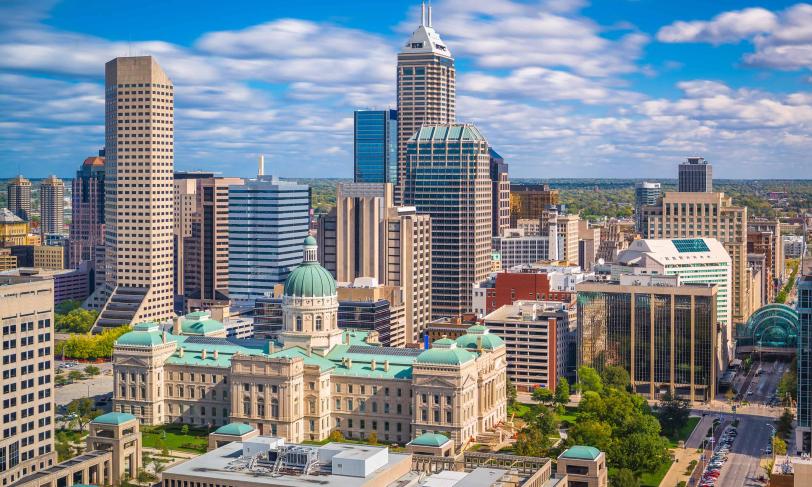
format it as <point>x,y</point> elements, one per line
<point>163,337</point>
<point>372,365</point>
<point>386,366</point>
<point>216,355</point>
<point>176,328</point>
<point>180,352</point>
<point>349,363</point>
<point>203,354</point>
<point>261,168</point>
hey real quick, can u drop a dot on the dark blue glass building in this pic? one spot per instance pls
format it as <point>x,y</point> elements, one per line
<point>376,146</point>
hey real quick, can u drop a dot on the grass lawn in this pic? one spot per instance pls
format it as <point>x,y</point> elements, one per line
<point>653,479</point>
<point>684,432</point>
<point>519,409</point>
<point>569,415</point>
<point>196,440</point>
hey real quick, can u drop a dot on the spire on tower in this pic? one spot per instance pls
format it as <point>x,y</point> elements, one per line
<point>422,13</point>
<point>429,13</point>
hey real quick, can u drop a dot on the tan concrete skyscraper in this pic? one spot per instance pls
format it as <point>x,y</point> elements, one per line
<point>52,205</point>
<point>360,209</point>
<point>19,197</point>
<point>426,88</point>
<point>711,215</point>
<point>139,248</point>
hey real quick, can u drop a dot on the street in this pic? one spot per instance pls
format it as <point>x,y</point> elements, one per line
<point>742,467</point>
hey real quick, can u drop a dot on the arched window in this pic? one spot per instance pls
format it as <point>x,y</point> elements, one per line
<point>318,323</point>
<point>298,323</point>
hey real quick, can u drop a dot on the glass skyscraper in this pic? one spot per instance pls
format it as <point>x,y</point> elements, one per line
<point>268,220</point>
<point>662,333</point>
<point>803,432</point>
<point>645,194</point>
<point>376,146</point>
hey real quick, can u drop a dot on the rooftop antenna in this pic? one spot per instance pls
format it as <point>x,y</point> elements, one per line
<point>429,13</point>
<point>261,169</point>
<point>422,13</point>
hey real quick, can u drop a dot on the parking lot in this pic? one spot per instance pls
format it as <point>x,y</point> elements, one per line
<point>90,387</point>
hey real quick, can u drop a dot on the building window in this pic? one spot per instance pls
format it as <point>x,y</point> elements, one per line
<point>318,323</point>
<point>298,323</point>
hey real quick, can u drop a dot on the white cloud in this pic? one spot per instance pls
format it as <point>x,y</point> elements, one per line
<point>725,27</point>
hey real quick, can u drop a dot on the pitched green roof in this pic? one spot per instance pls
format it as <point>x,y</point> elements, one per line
<point>140,339</point>
<point>310,280</point>
<point>445,356</point>
<point>200,327</point>
<point>114,418</point>
<point>580,452</point>
<point>312,359</point>
<point>430,439</point>
<point>452,132</point>
<point>234,429</point>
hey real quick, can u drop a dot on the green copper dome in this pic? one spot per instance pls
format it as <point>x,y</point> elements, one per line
<point>477,335</point>
<point>234,429</point>
<point>580,452</point>
<point>430,439</point>
<point>143,335</point>
<point>114,418</point>
<point>445,352</point>
<point>310,280</point>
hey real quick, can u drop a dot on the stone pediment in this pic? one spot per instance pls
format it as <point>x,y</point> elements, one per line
<point>130,361</point>
<point>435,382</point>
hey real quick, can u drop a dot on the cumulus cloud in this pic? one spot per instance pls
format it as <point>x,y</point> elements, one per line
<point>782,39</point>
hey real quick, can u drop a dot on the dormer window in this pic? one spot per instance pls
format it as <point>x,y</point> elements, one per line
<point>417,45</point>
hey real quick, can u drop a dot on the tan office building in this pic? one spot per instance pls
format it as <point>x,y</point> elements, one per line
<point>139,196</point>
<point>360,209</point>
<point>426,89</point>
<point>27,312</point>
<point>19,197</point>
<point>712,215</point>
<point>52,205</point>
<point>407,264</point>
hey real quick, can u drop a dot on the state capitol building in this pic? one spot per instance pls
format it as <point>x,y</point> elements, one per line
<point>315,378</point>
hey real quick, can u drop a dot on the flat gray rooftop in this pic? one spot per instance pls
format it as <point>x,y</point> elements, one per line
<point>212,466</point>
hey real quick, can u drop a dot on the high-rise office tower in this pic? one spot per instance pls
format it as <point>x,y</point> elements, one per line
<point>447,176</point>
<point>529,201</point>
<point>52,205</point>
<point>426,88</point>
<point>138,192</point>
<point>268,219</point>
<point>27,308</point>
<point>803,432</point>
<point>19,197</point>
<point>87,213</point>
<point>375,146</point>
<point>645,194</point>
<point>185,213</point>
<point>407,264</point>
<point>711,215</point>
<point>206,264</point>
<point>360,209</point>
<point>500,193</point>
<point>661,331</point>
<point>695,176</point>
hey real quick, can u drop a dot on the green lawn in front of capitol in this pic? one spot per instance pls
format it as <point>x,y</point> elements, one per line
<point>172,437</point>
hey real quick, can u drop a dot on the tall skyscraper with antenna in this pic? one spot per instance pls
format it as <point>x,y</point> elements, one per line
<point>425,88</point>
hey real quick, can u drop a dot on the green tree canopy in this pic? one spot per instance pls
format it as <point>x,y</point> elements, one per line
<point>616,376</point>
<point>562,392</point>
<point>673,413</point>
<point>84,411</point>
<point>589,379</point>
<point>623,477</point>
<point>543,395</point>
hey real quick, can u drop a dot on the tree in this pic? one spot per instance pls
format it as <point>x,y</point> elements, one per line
<point>589,379</point>
<point>92,370</point>
<point>373,438</point>
<point>624,478</point>
<point>779,446</point>
<point>537,436</point>
<point>543,395</point>
<point>75,321</point>
<point>75,375</point>
<point>83,412</point>
<point>616,376</point>
<point>562,392</point>
<point>672,413</point>
<point>184,429</point>
<point>590,432</point>
<point>511,392</point>
<point>336,436</point>
<point>784,427</point>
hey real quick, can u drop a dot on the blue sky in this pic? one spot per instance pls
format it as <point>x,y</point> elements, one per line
<point>561,88</point>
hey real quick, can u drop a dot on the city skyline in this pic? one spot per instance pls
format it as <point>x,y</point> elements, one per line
<point>596,89</point>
